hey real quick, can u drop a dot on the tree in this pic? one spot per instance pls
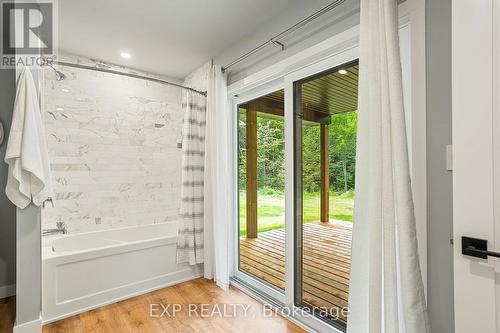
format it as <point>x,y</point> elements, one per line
<point>343,151</point>
<point>271,159</point>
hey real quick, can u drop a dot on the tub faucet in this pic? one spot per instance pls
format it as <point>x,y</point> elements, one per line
<point>60,229</point>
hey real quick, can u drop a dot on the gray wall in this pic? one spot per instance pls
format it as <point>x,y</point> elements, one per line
<point>7,209</point>
<point>439,191</point>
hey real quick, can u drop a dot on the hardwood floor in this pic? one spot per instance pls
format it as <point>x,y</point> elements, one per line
<point>7,314</point>
<point>133,315</point>
<point>326,262</point>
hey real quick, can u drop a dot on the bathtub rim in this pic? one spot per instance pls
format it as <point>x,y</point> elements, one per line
<point>49,254</point>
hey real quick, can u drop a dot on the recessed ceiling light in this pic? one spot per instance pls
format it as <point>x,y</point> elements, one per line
<point>125,55</point>
<point>59,109</point>
<point>64,90</point>
<point>342,71</point>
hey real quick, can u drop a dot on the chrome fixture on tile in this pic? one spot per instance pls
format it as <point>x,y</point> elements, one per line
<point>60,229</point>
<point>59,75</point>
<point>50,63</point>
<point>46,201</point>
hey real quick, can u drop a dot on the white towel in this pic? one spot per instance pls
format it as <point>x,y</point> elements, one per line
<point>27,156</point>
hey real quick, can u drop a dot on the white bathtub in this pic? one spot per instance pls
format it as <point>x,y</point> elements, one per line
<point>88,270</point>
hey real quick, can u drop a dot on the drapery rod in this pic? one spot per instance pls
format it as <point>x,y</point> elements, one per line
<point>135,76</point>
<point>275,40</point>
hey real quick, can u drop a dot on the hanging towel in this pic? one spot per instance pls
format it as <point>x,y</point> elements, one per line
<point>29,171</point>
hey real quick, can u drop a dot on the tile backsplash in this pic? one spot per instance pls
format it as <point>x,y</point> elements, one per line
<point>113,146</point>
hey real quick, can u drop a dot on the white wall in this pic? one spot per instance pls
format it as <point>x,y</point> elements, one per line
<point>341,18</point>
<point>28,259</point>
<point>113,146</point>
<point>199,78</point>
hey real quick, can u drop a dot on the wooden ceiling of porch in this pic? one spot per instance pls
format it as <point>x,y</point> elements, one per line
<point>322,95</point>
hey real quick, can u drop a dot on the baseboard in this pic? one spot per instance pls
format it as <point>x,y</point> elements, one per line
<point>34,326</point>
<point>7,291</point>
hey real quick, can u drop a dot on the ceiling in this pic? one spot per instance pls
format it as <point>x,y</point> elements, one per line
<point>169,37</point>
<point>333,92</point>
<point>323,95</point>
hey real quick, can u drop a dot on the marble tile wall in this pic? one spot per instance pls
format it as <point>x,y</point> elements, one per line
<point>113,145</point>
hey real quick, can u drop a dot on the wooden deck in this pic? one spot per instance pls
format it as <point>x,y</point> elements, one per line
<point>326,262</point>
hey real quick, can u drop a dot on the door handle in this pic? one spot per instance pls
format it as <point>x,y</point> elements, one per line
<point>475,247</point>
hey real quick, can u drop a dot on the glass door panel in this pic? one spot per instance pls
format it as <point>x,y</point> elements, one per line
<point>325,149</point>
<point>261,173</point>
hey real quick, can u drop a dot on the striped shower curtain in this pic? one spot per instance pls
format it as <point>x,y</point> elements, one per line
<point>190,238</point>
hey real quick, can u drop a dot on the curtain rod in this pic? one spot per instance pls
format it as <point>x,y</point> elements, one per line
<point>135,76</point>
<point>275,40</point>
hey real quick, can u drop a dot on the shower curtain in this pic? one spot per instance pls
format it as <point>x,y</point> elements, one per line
<point>190,244</point>
<point>386,292</point>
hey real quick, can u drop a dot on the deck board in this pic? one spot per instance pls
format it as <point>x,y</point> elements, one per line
<point>326,262</point>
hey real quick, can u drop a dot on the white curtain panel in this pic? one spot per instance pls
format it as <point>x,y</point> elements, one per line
<point>386,292</point>
<point>190,241</point>
<point>218,180</point>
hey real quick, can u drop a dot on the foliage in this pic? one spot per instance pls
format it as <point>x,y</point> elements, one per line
<point>342,153</point>
<point>270,153</point>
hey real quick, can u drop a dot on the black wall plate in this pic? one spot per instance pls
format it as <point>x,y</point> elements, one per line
<point>476,243</point>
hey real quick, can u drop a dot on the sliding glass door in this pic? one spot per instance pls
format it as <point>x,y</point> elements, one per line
<point>295,158</point>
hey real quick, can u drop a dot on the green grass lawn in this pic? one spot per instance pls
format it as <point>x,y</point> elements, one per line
<point>271,209</point>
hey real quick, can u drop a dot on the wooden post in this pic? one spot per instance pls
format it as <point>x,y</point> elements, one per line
<point>251,146</point>
<point>325,174</point>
